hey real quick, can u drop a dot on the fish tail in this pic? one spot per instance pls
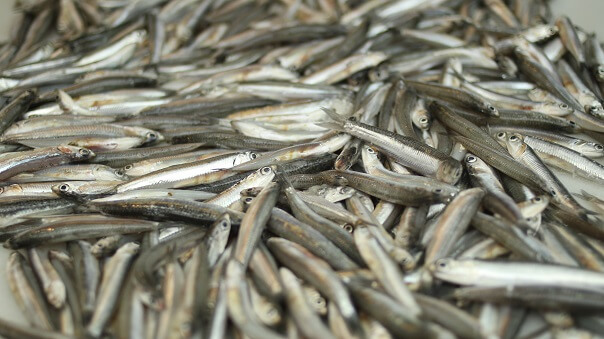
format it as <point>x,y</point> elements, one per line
<point>65,101</point>
<point>337,122</point>
<point>334,115</point>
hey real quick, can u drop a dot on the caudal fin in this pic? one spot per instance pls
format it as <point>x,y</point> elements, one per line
<point>337,122</point>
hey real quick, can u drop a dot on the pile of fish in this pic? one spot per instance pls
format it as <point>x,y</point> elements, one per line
<point>301,169</point>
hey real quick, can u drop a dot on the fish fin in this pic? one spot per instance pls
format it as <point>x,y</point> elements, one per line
<point>330,125</point>
<point>333,115</point>
<point>590,212</point>
<point>585,214</point>
<point>586,195</point>
<point>458,75</point>
<point>337,122</point>
<point>65,101</point>
<point>282,178</point>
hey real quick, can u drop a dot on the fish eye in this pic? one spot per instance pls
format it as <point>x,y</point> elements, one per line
<point>564,106</point>
<point>119,172</point>
<point>442,263</point>
<point>513,138</point>
<point>471,158</point>
<point>265,170</point>
<point>340,180</point>
<point>370,150</point>
<point>348,228</point>
<point>423,120</point>
<point>537,199</point>
<point>599,147</point>
<point>151,135</point>
<point>84,152</point>
<point>572,123</point>
<point>553,193</point>
<point>253,155</point>
<point>64,188</point>
<point>501,135</point>
<point>128,167</point>
<point>491,108</point>
<point>248,200</point>
<point>438,190</point>
<point>224,224</point>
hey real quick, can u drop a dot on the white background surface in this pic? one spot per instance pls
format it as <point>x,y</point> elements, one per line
<point>585,13</point>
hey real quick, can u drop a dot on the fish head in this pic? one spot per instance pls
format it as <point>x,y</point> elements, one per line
<point>541,32</point>
<point>589,149</point>
<point>379,73</point>
<point>78,153</point>
<point>224,222</point>
<point>338,193</point>
<point>535,205</point>
<point>251,191</point>
<point>121,173</point>
<point>424,121</point>
<point>63,189</point>
<point>334,177</point>
<point>489,109</point>
<point>315,299</point>
<point>595,107</point>
<point>556,108</point>
<point>84,153</point>
<point>262,176</point>
<point>600,72</point>
<point>11,189</point>
<point>267,171</point>
<point>538,94</point>
<point>244,157</point>
<point>369,154</point>
<point>246,202</point>
<point>501,138</point>
<point>451,270</point>
<point>475,165</point>
<point>449,171</point>
<point>153,136</point>
<point>219,232</point>
<point>576,128</point>
<point>127,168</point>
<point>515,144</point>
<point>445,193</point>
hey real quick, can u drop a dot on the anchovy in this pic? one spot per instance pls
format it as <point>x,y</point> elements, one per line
<point>407,151</point>
<point>317,273</point>
<point>253,222</point>
<point>483,273</point>
<point>115,273</point>
<point>189,174</point>
<point>41,158</point>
